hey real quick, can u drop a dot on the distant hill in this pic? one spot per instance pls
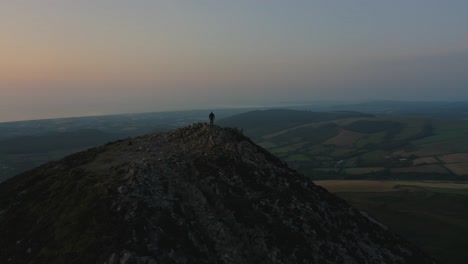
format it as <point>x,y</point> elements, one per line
<point>199,194</point>
<point>123,125</point>
<point>260,122</point>
<point>353,145</point>
<point>437,109</point>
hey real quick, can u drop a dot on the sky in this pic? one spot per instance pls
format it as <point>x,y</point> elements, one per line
<point>62,58</point>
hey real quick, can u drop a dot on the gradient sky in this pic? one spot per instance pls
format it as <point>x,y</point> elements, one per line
<point>89,57</point>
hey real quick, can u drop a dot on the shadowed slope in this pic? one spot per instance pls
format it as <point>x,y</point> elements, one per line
<point>194,195</point>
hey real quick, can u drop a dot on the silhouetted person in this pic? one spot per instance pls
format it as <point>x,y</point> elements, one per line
<point>212,117</point>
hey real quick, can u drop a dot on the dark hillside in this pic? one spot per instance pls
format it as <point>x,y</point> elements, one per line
<point>435,109</point>
<point>54,141</point>
<point>194,195</point>
<point>21,153</point>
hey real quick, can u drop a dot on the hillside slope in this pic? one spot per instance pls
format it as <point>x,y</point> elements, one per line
<point>260,122</point>
<point>194,195</point>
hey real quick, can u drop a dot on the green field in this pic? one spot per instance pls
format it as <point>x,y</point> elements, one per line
<point>298,157</point>
<point>433,215</point>
<point>267,144</point>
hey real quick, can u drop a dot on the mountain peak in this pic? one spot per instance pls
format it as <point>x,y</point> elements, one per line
<point>199,194</point>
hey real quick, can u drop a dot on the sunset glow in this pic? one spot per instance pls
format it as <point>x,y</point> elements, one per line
<point>128,56</point>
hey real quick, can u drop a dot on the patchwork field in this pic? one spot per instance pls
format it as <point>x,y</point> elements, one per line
<point>431,214</point>
<point>368,147</point>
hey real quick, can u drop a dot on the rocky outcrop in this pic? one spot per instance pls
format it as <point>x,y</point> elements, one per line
<point>199,194</point>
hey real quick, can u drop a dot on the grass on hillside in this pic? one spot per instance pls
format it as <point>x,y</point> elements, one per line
<point>298,157</point>
<point>370,139</point>
<point>445,131</point>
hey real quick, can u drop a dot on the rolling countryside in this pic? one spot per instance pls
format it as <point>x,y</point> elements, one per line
<point>351,145</point>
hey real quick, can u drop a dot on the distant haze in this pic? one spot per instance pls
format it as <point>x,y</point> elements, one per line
<point>70,58</point>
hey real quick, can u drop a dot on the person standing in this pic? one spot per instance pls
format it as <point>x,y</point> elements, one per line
<point>212,117</point>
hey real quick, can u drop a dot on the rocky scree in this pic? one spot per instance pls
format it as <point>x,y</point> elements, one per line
<point>199,194</point>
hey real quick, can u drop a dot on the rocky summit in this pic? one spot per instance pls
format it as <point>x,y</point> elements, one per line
<point>198,194</point>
